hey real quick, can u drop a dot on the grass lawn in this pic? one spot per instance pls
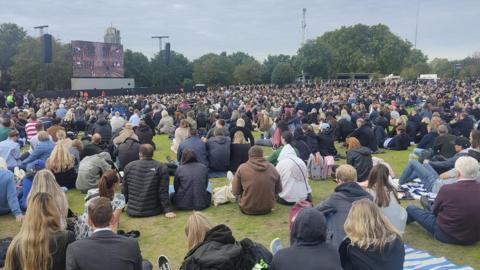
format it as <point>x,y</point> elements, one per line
<point>162,236</point>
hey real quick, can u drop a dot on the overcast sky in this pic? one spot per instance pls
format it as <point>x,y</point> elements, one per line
<point>447,28</point>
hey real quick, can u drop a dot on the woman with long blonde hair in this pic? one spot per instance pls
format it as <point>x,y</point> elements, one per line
<point>238,151</point>
<point>197,226</point>
<point>41,242</point>
<point>44,182</point>
<point>372,242</point>
<point>62,163</point>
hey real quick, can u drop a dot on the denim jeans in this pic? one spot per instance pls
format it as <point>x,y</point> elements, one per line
<point>429,222</point>
<point>418,151</point>
<point>171,189</point>
<point>425,172</point>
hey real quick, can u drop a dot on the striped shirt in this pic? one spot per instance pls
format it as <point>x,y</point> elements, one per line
<point>30,129</point>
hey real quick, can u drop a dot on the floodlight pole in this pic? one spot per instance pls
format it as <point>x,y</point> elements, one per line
<point>45,72</point>
<point>160,38</point>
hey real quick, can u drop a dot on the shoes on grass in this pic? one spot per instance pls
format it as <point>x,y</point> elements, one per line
<point>164,263</point>
<point>276,245</point>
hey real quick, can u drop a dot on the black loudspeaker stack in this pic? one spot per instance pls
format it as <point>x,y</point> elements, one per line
<point>47,50</point>
<point>167,53</point>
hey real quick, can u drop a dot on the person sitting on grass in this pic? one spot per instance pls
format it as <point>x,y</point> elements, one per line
<point>218,148</point>
<point>104,249</point>
<point>256,183</point>
<point>399,142</point>
<point>360,157</point>
<point>8,195</point>
<point>191,184</point>
<point>428,176</point>
<point>286,139</point>
<point>454,218</point>
<point>336,207</point>
<point>91,169</point>
<point>364,134</point>
<point>107,185</point>
<point>294,176</point>
<point>28,181</point>
<point>145,186</point>
<point>371,242</point>
<point>42,241</point>
<point>62,163</point>
<point>385,196</point>
<point>41,152</point>
<point>195,143</point>
<point>214,247</point>
<point>308,249</point>
<point>93,147</point>
<point>238,151</point>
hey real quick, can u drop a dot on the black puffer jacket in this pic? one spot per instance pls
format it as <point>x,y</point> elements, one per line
<point>191,181</point>
<point>308,249</point>
<point>103,128</point>
<point>145,186</point>
<point>326,143</point>
<point>344,128</point>
<point>361,159</point>
<point>219,251</point>
<point>127,152</point>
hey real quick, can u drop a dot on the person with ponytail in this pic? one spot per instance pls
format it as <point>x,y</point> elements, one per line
<point>107,185</point>
<point>41,242</point>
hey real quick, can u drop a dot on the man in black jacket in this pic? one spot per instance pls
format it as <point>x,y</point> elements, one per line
<point>364,134</point>
<point>464,126</point>
<point>145,186</point>
<point>104,250</point>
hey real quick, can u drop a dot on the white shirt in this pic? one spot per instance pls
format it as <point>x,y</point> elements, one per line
<point>102,229</point>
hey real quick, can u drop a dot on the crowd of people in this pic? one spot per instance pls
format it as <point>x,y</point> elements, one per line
<point>104,147</point>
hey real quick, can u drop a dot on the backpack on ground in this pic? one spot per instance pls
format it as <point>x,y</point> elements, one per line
<point>255,256</point>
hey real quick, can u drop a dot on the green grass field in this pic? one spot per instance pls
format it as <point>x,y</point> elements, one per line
<point>162,236</point>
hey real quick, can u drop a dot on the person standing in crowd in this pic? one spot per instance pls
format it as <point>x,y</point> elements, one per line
<point>104,249</point>
<point>371,242</point>
<point>42,241</point>
<point>256,183</point>
<point>337,205</point>
<point>146,185</point>
<point>455,218</point>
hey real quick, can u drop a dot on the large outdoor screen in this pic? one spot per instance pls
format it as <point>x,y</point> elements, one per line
<point>97,60</point>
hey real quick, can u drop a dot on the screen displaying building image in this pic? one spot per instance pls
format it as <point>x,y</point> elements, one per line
<point>97,60</point>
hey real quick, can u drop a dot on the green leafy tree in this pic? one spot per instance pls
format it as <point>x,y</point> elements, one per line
<point>137,66</point>
<point>283,74</point>
<point>315,58</point>
<point>270,63</point>
<point>249,72</point>
<point>375,49</point>
<point>11,36</point>
<point>442,67</point>
<point>213,69</point>
<point>173,74</point>
<point>29,72</point>
<point>240,58</point>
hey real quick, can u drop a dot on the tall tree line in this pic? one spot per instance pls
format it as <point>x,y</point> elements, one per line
<point>358,48</point>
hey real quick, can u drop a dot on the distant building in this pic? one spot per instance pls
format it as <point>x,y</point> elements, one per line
<point>112,35</point>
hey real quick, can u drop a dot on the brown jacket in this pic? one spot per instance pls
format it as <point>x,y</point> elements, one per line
<point>256,182</point>
<point>52,131</point>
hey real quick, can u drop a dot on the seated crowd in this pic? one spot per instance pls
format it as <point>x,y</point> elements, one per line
<point>106,150</point>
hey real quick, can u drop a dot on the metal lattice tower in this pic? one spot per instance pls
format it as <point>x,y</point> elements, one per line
<point>304,25</point>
